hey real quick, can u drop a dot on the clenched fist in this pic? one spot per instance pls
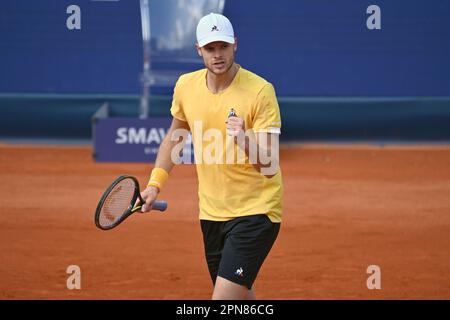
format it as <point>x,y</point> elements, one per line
<point>235,126</point>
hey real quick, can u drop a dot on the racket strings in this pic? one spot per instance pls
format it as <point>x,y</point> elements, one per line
<point>117,202</point>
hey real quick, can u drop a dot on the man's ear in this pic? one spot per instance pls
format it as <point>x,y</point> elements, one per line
<point>199,50</point>
<point>235,45</point>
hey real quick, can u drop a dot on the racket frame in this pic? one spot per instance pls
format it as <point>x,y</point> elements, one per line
<point>131,209</point>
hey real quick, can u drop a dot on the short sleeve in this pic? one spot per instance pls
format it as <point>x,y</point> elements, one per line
<point>177,107</point>
<point>267,112</point>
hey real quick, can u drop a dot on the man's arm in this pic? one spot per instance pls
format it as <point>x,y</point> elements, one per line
<point>268,152</point>
<point>263,145</point>
<point>163,161</point>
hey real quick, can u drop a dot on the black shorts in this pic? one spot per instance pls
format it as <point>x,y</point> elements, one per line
<point>236,249</point>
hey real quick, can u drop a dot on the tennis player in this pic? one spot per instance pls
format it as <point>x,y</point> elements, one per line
<point>240,205</point>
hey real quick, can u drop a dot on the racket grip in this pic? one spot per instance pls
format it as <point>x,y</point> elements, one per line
<point>159,205</point>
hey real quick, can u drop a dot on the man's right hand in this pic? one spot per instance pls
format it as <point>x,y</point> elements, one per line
<point>149,195</point>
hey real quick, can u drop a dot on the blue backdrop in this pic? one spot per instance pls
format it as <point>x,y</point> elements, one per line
<point>306,48</point>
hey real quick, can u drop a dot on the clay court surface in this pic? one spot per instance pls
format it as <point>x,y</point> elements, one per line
<point>345,208</point>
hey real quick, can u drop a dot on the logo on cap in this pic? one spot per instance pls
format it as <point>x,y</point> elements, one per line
<point>214,29</point>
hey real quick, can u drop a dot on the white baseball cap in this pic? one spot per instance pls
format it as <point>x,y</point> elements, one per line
<point>214,27</point>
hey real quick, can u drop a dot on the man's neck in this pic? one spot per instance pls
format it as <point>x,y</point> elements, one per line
<point>217,83</point>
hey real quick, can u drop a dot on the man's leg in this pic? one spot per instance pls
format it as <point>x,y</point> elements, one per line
<point>227,290</point>
<point>248,241</point>
<point>251,294</point>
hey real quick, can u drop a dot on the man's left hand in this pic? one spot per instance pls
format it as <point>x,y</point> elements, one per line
<point>235,126</point>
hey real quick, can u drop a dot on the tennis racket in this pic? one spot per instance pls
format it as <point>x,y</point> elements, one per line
<point>118,203</point>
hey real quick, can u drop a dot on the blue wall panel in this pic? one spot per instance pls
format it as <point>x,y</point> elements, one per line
<point>323,47</point>
<point>39,54</point>
<point>305,47</point>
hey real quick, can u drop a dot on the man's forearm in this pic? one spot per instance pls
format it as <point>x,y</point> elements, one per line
<point>261,152</point>
<point>164,157</point>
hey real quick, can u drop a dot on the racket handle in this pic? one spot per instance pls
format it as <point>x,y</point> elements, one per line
<point>160,205</point>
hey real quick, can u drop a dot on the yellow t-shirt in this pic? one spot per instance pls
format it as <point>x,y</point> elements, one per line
<point>229,190</point>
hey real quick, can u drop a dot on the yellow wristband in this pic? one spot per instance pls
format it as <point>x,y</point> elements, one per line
<point>158,177</point>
